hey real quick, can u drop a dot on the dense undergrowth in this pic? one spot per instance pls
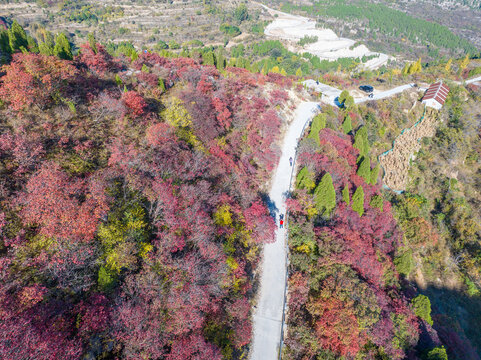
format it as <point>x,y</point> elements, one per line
<point>345,297</point>
<point>131,209</point>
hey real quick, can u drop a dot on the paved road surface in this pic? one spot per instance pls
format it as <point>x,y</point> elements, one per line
<point>330,93</point>
<point>267,318</point>
<point>384,94</point>
<point>268,314</point>
<point>473,80</point>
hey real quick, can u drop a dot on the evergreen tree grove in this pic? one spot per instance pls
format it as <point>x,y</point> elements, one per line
<point>325,196</point>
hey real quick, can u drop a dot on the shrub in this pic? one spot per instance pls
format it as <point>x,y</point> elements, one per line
<point>404,262</point>
<point>422,308</point>
<point>305,179</point>
<point>345,194</point>
<point>230,30</point>
<point>376,202</point>
<point>438,353</point>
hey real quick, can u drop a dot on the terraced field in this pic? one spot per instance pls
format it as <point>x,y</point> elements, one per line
<point>144,23</point>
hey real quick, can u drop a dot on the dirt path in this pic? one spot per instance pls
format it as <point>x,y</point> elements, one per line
<point>395,162</point>
<point>329,46</point>
<point>268,315</point>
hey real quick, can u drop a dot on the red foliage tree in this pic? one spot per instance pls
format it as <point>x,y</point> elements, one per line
<point>52,200</point>
<point>260,223</point>
<point>336,326</point>
<point>135,103</point>
<point>35,79</point>
<point>99,62</point>
<point>193,347</point>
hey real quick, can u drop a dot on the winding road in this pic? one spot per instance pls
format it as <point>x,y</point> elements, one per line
<point>268,315</point>
<point>267,318</point>
<point>330,93</point>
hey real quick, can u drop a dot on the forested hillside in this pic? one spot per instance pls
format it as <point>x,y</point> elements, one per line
<point>345,296</point>
<point>377,274</point>
<point>131,209</point>
<point>133,205</point>
<point>385,28</point>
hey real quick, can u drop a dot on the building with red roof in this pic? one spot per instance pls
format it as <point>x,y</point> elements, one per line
<point>436,95</point>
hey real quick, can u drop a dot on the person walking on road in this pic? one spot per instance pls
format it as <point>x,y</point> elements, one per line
<point>281,224</point>
<point>290,160</point>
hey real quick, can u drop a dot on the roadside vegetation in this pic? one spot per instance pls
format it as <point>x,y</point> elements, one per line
<point>425,248</point>
<point>133,208</point>
<point>131,202</point>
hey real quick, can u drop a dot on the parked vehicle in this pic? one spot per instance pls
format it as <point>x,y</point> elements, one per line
<point>366,88</point>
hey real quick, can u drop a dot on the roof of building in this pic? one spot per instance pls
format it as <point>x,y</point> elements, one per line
<point>437,91</point>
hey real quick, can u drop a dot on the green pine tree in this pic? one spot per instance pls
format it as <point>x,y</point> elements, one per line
<point>305,179</point>
<point>45,48</point>
<point>358,201</point>
<point>347,125</point>
<point>318,123</point>
<point>118,80</point>
<point>345,99</point>
<point>45,42</point>
<point>361,142</point>
<point>345,194</point>
<point>374,174</point>
<point>5,42</point>
<point>17,37</point>
<point>161,84</point>
<point>220,61</point>
<point>62,48</point>
<point>92,42</point>
<point>32,45</point>
<point>208,58</point>
<point>325,196</point>
<point>364,169</point>
<point>299,72</point>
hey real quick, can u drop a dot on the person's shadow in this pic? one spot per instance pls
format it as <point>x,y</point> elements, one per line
<point>271,206</point>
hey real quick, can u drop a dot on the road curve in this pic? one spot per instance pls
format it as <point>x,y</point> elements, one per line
<point>267,318</point>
